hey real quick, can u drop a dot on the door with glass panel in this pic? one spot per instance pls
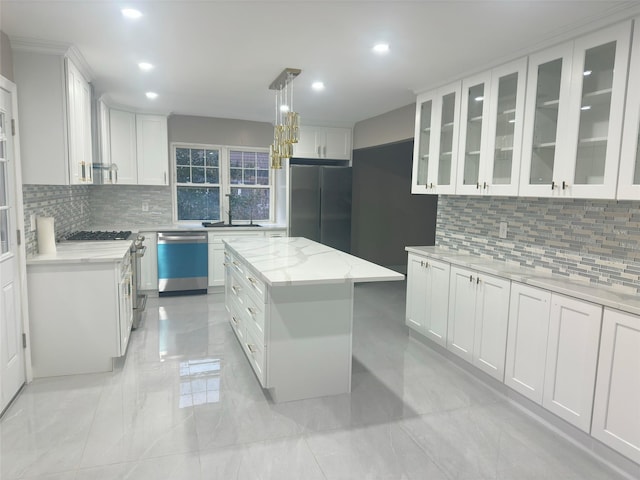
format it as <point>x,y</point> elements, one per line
<point>629,179</point>
<point>436,141</point>
<point>599,75</point>
<point>472,148</point>
<point>505,126</point>
<point>12,362</point>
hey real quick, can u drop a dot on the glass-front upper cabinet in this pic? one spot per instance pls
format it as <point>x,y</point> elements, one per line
<point>573,123</point>
<point>491,131</point>
<point>629,179</point>
<point>436,141</point>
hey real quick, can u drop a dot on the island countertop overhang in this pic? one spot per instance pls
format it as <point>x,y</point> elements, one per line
<point>282,261</point>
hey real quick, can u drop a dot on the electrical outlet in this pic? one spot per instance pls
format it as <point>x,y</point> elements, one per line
<point>145,206</point>
<point>32,222</point>
<point>503,230</point>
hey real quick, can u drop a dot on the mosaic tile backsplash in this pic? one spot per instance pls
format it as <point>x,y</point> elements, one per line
<point>592,240</point>
<point>69,205</point>
<point>121,205</point>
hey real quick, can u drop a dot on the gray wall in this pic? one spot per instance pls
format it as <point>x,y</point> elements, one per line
<point>6,57</point>
<point>219,131</point>
<point>394,126</point>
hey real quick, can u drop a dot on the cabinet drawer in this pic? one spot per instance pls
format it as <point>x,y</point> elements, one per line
<point>236,321</point>
<point>255,285</point>
<point>256,353</point>
<point>254,316</point>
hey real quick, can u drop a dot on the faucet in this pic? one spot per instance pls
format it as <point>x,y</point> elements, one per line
<point>229,211</point>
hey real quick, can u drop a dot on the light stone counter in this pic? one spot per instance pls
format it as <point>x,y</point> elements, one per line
<point>84,252</point>
<point>299,261</point>
<point>620,299</point>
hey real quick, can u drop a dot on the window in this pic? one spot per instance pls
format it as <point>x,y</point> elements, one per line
<point>210,180</point>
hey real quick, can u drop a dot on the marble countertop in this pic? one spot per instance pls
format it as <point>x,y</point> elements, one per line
<point>621,299</point>
<point>84,252</point>
<point>299,261</point>
<point>186,226</point>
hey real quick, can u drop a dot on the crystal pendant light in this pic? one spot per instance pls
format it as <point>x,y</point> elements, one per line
<point>286,127</point>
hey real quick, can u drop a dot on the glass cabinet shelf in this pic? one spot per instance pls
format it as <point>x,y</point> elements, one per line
<point>593,140</point>
<point>545,145</point>
<point>475,152</point>
<point>447,126</point>
<point>476,119</point>
<point>426,130</point>
<point>549,103</point>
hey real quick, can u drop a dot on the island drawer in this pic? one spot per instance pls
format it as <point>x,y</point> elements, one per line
<point>256,353</point>
<point>254,316</point>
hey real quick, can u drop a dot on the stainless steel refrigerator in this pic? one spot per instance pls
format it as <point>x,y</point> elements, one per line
<point>320,204</point>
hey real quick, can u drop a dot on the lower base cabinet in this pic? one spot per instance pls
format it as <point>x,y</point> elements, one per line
<point>616,414</point>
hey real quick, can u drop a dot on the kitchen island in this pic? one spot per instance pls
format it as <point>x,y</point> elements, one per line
<point>290,303</point>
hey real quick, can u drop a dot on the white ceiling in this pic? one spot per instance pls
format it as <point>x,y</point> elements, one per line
<point>217,58</point>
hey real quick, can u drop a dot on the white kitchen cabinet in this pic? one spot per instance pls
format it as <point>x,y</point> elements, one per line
<point>122,136</point>
<point>478,319</point>
<point>435,151</point>
<point>104,139</point>
<point>616,412</point>
<point>572,355</point>
<point>491,131</point>
<point>323,142</point>
<point>125,305</point>
<point>629,177</point>
<point>216,252</point>
<point>528,330</point>
<point>574,110</point>
<point>54,101</point>
<point>427,297</point>
<point>149,262</point>
<point>152,147</point>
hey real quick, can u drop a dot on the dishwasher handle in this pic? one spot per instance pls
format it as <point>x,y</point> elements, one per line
<point>181,237</point>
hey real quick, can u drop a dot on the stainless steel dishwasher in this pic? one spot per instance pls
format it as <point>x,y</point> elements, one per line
<point>182,263</point>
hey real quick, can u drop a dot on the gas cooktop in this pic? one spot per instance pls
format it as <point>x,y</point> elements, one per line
<point>85,235</point>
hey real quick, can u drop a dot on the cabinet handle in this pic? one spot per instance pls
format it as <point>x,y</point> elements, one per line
<point>252,311</point>
<point>324,149</point>
<point>431,185</point>
<point>251,348</point>
<point>477,280</point>
<point>252,280</point>
<point>564,185</point>
<point>421,263</point>
<point>82,172</point>
<point>471,278</point>
<point>553,185</point>
<point>478,186</point>
<point>234,319</point>
<point>485,186</point>
<point>116,172</point>
<point>165,177</point>
<point>235,289</point>
<point>225,264</point>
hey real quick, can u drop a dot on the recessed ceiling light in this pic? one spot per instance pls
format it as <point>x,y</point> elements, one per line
<point>479,99</point>
<point>145,66</point>
<point>381,48</point>
<point>585,107</point>
<point>131,13</point>
<point>151,95</point>
<point>317,86</point>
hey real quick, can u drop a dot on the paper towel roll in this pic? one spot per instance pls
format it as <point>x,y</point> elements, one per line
<point>46,235</point>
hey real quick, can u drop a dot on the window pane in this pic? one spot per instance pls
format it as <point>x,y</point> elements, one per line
<point>182,156</point>
<point>198,203</point>
<point>250,177</point>
<point>197,157</point>
<point>249,161</point>
<point>235,159</point>
<point>3,184</point>
<point>212,159</point>
<point>263,177</point>
<point>213,175</point>
<point>197,174</point>
<point>236,176</point>
<point>250,203</point>
<point>184,174</point>
<point>4,231</point>
<point>263,160</point>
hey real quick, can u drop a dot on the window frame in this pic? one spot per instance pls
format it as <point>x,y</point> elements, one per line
<point>225,181</point>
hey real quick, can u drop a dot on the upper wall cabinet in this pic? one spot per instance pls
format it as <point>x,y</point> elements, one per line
<point>629,180</point>
<point>573,120</point>
<point>54,101</point>
<point>492,116</point>
<point>435,149</point>
<point>323,142</point>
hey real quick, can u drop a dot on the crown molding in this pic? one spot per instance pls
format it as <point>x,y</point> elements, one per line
<point>34,45</point>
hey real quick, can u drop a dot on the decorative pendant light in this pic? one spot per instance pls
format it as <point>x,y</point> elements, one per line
<point>286,127</point>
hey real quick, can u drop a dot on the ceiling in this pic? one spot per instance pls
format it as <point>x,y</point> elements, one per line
<point>217,58</point>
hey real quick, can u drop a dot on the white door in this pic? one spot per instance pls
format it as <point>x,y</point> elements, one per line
<point>12,368</point>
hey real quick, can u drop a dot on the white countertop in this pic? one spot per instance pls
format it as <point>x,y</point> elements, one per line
<point>187,226</point>
<point>84,252</point>
<point>299,261</point>
<point>619,298</point>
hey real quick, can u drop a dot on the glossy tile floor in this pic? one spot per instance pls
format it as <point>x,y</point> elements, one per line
<point>184,404</point>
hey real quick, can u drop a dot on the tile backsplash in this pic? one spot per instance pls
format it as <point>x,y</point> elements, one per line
<point>594,240</point>
<point>69,205</point>
<point>122,205</point>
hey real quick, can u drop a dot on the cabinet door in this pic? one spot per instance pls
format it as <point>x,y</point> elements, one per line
<point>572,354</point>
<point>308,144</point>
<point>79,126</point>
<point>122,126</point>
<point>474,117</point>
<point>216,265</point>
<point>492,318</point>
<point>529,309</point>
<point>438,301</point>
<point>629,179</point>
<point>504,135</point>
<point>125,310</point>
<point>104,140</point>
<point>462,311</point>
<point>417,301</point>
<point>422,146</point>
<point>152,150</point>
<point>442,171</point>
<point>616,411</point>
<point>149,262</point>
<point>337,143</point>
<point>546,116</point>
<point>599,75</point>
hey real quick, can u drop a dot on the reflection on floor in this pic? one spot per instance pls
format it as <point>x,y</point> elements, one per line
<point>184,404</point>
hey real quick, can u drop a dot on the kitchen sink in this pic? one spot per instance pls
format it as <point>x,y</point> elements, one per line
<point>225,225</point>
